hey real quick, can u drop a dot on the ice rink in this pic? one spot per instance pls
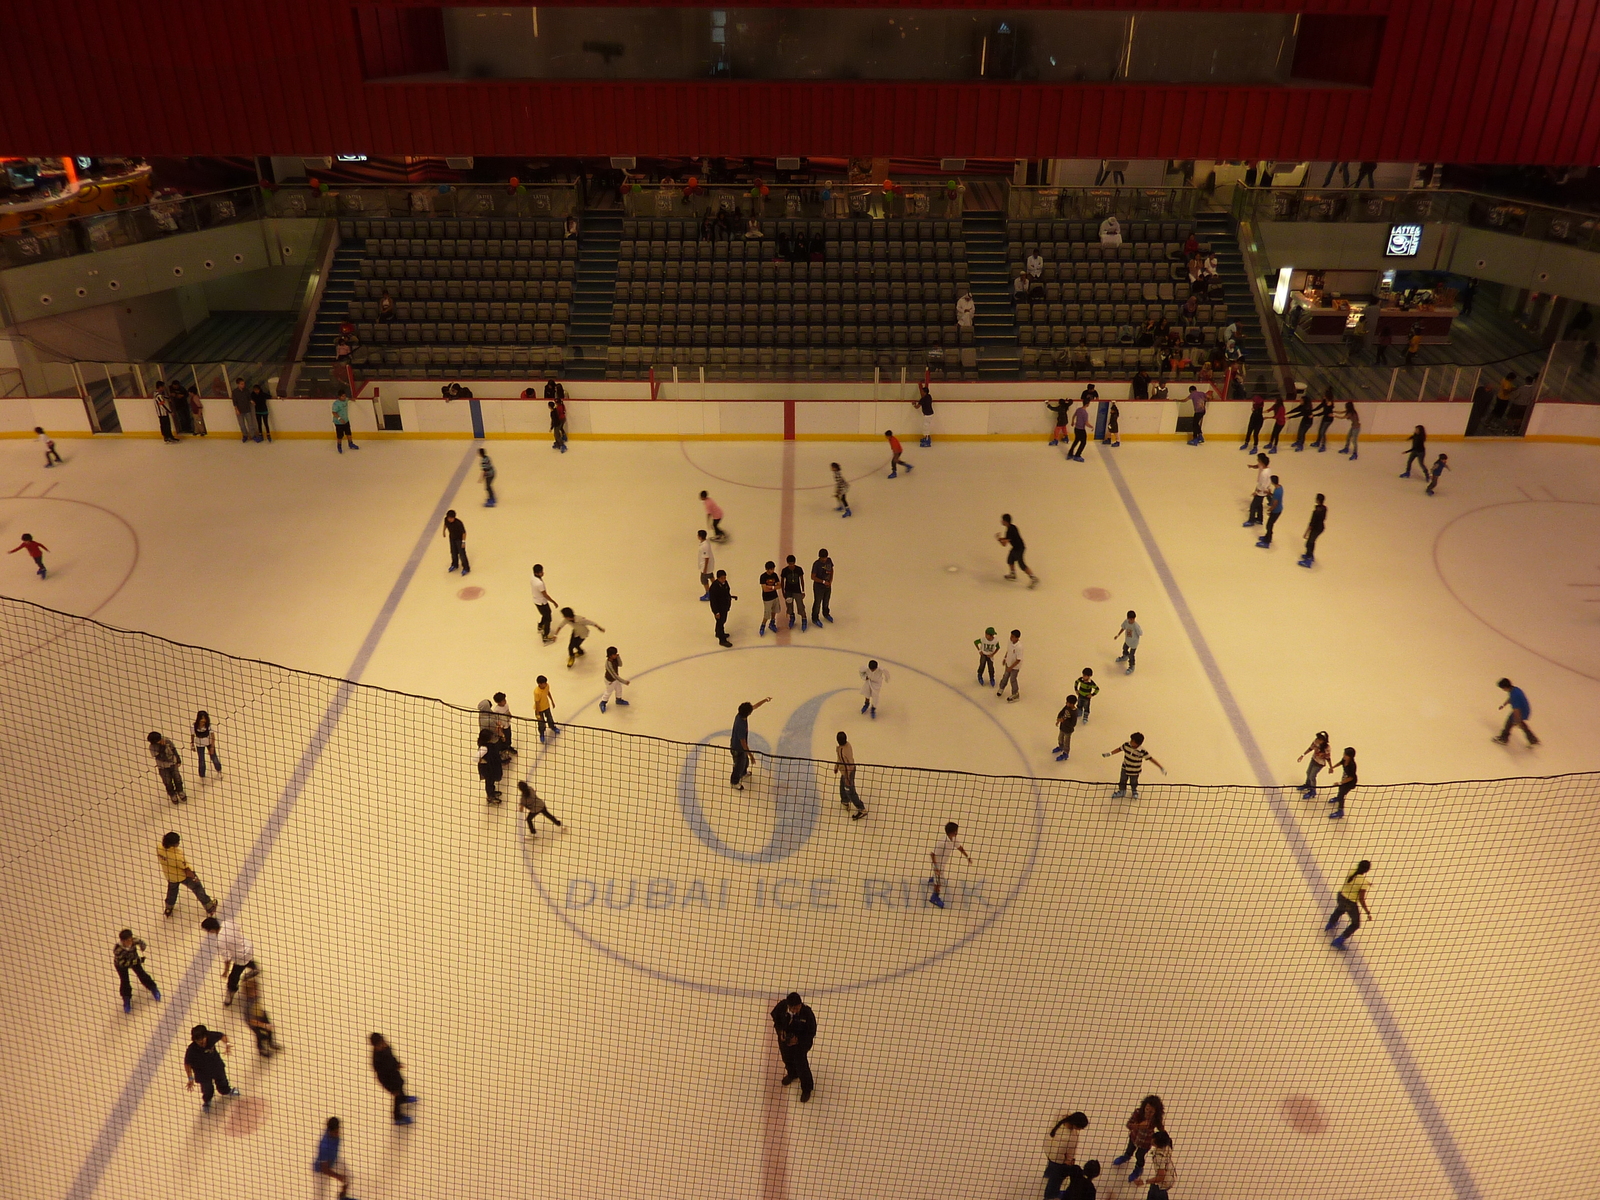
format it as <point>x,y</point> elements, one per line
<point>585,1013</point>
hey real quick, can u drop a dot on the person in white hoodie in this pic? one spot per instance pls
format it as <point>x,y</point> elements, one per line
<point>873,677</point>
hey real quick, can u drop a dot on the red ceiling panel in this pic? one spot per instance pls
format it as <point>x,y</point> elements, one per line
<point>1460,80</point>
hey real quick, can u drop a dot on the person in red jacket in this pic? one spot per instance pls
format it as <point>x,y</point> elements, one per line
<point>896,449</point>
<point>36,549</point>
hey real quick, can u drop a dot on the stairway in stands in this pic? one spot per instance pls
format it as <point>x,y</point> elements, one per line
<point>599,239</point>
<point>1217,229</point>
<point>342,275</point>
<point>995,324</point>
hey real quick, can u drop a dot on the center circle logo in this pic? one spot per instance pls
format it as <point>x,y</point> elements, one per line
<point>667,868</point>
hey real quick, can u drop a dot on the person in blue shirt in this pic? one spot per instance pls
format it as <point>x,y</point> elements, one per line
<point>1517,718</point>
<point>328,1162</point>
<point>1274,511</point>
<point>341,422</point>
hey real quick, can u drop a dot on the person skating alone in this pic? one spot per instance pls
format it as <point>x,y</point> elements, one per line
<point>1314,528</point>
<point>1130,631</point>
<point>1440,466</point>
<point>739,742</point>
<point>204,1066</point>
<point>770,585</point>
<point>940,856</point>
<point>1150,1116</point>
<point>706,562</point>
<point>486,469</point>
<point>51,457</point>
<point>841,491</point>
<point>1133,759</point>
<point>544,707</point>
<point>328,1161</point>
<point>1348,778</point>
<point>254,1011</point>
<point>1517,718</point>
<point>924,406</point>
<point>35,551</point>
<point>203,741</point>
<point>714,515</point>
<point>167,766</point>
<point>1258,498</point>
<point>1417,452</point>
<point>614,680</point>
<point>341,423</point>
<point>1350,902</point>
<point>794,591</point>
<point>844,766</point>
<point>1066,722</point>
<point>531,805</point>
<point>237,954</point>
<point>580,630</point>
<point>128,956</point>
<point>1274,511</point>
<point>388,1069</point>
<point>1086,689</point>
<point>1010,536</point>
<point>720,593</point>
<point>873,677</point>
<point>177,872</point>
<point>895,450</point>
<point>455,530</point>
<point>1113,426</point>
<point>1061,1151</point>
<point>1199,403</point>
<point>1011,666</point>
<point>822,588</point>
<point>1080,432</point>
<point>1321,752</point>
<point>544,602</point>
<point>988,646</point>
<point>796,1027</point>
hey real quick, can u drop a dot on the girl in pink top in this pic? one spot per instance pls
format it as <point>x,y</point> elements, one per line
<point>714,512</point>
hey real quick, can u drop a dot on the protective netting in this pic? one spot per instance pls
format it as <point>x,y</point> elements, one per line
<point>572,1004</point>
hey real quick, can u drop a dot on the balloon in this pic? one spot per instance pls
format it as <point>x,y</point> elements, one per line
<point>323,188</point>
<point>826,195</point>
<point>444,189</point>
<point>694,181</point>
<point>765,190</point>
<point>515,181</point>
<point>952,186</point>
<point>888,185</point>
<point>314,184</point>
<point>522,189</point>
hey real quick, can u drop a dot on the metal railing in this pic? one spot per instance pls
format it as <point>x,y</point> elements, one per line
<point>94,232</point>
<point>910,199</point>
<point>1097,203</point>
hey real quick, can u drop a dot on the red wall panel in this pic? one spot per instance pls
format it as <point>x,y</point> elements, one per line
<point>1456,80</point>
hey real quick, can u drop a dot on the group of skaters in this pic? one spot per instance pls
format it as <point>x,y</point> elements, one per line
<point>1149,1148</point>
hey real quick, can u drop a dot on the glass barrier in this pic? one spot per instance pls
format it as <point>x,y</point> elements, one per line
<point>910,199</point>
<point>1097,203</point>
<point>424,200</point>
<point>106,231</point>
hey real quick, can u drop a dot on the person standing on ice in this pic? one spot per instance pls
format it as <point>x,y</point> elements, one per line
<point>707,563</point>
<point>614,679</point>
<point>714,512</point>
<point>873,677</point>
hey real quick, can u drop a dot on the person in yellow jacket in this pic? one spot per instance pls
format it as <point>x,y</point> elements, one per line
<point>179,874</point>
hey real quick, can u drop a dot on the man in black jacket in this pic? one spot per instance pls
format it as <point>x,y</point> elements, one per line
<point>722,599</point>
<point>388,1068</point>
<point>796,1025</point>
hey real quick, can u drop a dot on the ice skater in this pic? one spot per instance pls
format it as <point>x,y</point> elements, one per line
<point>1517,718</point>
<point>486,469</point>
<point>1130,631</point>
<point>1061,1151</point>
<point>128,956</point>
<point>1258,498</point>
<point>988,646</point>
<point>770,585</point>
<point>1314,528</point>
<point>580,631</point>
<point>1352,899</point>
<point>1066,722</point>
<point>896,450</point>
<point>491,763</point>
<point>1113,426</point>
<point>1086,689</point>
<point>844,766</point>
<point>873,677</point>
<point>822,589</point>
<point>714,515</point>
<point>35,551</point>
<point>203,741</point>
<point>544,602</point>
<point>263,413</point>
<point>1080,433</point>
<point>531,805</point>
<point>455,529</point>
<point>1198,403</point>
<point>254,1011</point>
<point>1417,452</point>
<point>1324,419</point>
<point>1133,757</point>
<point>1150,1116</point>
<point>1162,1174</point>
<point>707,564</point>
<point>387,1068</point>
<point>796,1027</point>
<point>841,491</point>
<point>1280,418</point>
<point>203,1065</point>
<point>940,855</point>
<point>1063,413</point>
<point>558,423</point>
<point>1011,666</point>
<point>614,680</point>
<point>1010,536</point>
<point>1347,782</point>
<point>544,707</point>
<point>1274,511</point>
<point>1252,430</point>
<point>328,1161</point>
<point>237,954</point>
<point>341,423</point>
<point>1440,466</point>
<point>1352,439</point>
<point>739,742</point>
<point>1306,411</point>
<point>502,722</point>
<point>167,766</point>
<point>722,598</point>
<point>924,405</point>
<point>175,868</point>
<point>794,591</point>
<point>1321,752</point>
<point>51,458</point>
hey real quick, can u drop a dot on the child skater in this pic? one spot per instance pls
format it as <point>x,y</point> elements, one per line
<point>896,449</point>
<point>51,458</point>
<point>873,677</point>
<point>532,806</point>
<point>1440,466</point>
<point>35,551</point>
<point>988,646</point>
<point>841,491</point>
<point>614,679</point>
<point>203,741</point>
<point>714,515</point>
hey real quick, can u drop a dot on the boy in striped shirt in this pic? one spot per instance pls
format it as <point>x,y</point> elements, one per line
<point>1086,689</point>
<point>1133,756</point>
<point>841,490</point>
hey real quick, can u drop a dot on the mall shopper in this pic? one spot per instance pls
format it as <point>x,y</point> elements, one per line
<point>167,760</point>
<point>796,1027</point>
<point>1351,900</point>
<point>1142,1126</point>
<point>387,1068</point>
<point>237,954</point>
<point>1061,1151</point>
<point>203,1065</point>
<point>128,955</point>
<point>1517,718</point>
<point>455,530</point>
<point>175,867</point>
<point>203,741</point>
<point>531,805</point>
<point>844,766</point>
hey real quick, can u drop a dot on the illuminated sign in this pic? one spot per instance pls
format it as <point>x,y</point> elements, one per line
<point>1404,241</point>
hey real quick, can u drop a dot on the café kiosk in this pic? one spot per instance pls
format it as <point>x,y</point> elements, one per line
<point>1324,315</point>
